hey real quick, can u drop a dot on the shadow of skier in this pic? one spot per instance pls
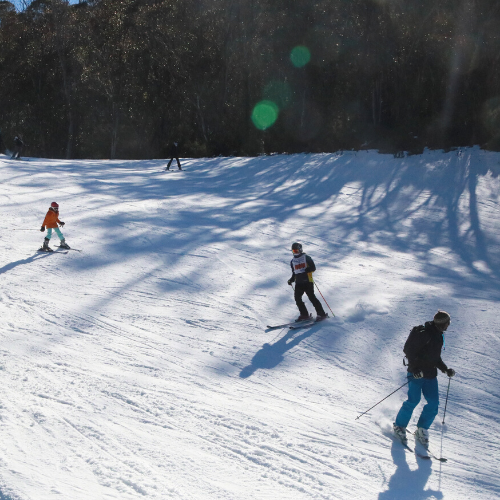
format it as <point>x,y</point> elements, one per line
<point>406,483</point>
<point>29,260</point>
<point>271,355</point>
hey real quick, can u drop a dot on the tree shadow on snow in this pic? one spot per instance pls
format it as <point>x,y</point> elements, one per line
<point>271,355</point>
<point>406,483</point>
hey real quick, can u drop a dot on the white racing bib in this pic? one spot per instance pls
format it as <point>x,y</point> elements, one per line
<point>299,264</point>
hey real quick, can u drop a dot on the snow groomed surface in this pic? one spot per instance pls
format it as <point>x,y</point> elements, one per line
<point>142,368</point>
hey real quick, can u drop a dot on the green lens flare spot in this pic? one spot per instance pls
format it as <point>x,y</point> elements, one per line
<point>264,114</point>
<point>300,56</point>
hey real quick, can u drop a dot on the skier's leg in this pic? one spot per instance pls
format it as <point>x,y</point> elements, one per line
<point>414,394</point>
<point>299,291</point>
<point>169,163</point>
<point>49,233</point>
<point>63,243</point>
<point>430,391</point>
<point>59,234</point>
<point>178,163</point>
<point>314,300</point>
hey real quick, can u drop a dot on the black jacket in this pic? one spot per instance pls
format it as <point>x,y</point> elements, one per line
<point>303,277</point>
<point>423,350</point>
<point>174,151</point>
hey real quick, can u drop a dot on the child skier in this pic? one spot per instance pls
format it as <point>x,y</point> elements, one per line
<point>302,269</point>
<point>50,222</point>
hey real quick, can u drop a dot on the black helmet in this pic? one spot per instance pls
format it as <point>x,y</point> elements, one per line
<point>296,247</point>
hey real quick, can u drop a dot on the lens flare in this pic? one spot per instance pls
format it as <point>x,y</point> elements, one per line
<point>300,56</point>
<point>264,114</point>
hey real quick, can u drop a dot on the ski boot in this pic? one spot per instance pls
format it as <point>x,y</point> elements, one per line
<point>303,317</point>
<point>45,247</point>
<point>321,317</point>
<point>63,244</point>
<point>400,433</point>
<point>422,435</point>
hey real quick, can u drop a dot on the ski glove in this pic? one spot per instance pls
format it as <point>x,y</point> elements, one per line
<point>290,281</point>
<point>418,375</point>
<point>61,223</point>
<point>450,372</point>
<point>42,229</point>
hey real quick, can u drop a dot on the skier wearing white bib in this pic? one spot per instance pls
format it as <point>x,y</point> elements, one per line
<point>302,268</point>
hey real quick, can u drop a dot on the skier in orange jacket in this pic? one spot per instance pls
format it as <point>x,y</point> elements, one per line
<point>50,222</point>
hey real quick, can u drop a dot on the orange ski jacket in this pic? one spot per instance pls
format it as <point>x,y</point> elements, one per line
<point>51,219</point>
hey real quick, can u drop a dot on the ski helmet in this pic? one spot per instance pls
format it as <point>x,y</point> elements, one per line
<point>54,205</point>
<point>296,248</point>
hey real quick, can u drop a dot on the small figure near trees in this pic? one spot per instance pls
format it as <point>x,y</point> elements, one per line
<point>18,148</point>
<point>174,153</point>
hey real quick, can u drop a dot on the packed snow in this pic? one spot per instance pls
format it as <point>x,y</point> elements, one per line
<point>142,367</point>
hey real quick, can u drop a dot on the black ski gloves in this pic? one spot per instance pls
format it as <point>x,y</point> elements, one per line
<point>61,223</point>
<point>290,281</point>
<point>418,375</point>
<point>42,229</point>
<point>450,372</point>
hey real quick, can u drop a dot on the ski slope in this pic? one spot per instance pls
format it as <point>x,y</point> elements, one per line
<point>141,367</point>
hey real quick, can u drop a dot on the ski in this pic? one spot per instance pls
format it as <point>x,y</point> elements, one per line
<point>284,325</point>
<point>50,251</point>
<point>432,455</point>
<point>307,323</point>
<point>406,447</point>
<point>302,324</point>
<point>440,459</point>
<point>75,249</point>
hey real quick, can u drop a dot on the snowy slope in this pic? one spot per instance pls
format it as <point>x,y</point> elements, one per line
<point>142,368</point>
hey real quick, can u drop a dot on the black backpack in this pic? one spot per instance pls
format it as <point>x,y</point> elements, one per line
<point>416,330</point>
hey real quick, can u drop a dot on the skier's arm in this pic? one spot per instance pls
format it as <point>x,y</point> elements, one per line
<point>441,365</point>
<point>310,265</point>
<point>292,279</point>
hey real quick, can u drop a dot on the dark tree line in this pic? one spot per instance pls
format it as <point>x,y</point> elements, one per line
<point>126,78</point>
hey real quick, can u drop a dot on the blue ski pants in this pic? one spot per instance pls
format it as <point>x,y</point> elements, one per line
<point>416,387</point>
<point>58,232</point>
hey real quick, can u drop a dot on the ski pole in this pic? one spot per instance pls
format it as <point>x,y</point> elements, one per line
<point>17,229</point>
<point>382,400</point>
<point>446,404</point>
<point>324,299</point>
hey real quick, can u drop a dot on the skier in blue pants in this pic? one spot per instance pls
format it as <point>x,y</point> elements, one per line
<point>423,350</point>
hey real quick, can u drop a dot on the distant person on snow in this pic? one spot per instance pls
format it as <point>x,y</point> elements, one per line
<point>18,148</point>
<point>423,350</point>
<point>174,153</point>
<point>50,222</point>
<point>302,268</point>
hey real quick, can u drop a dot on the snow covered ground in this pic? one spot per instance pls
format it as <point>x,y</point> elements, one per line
<point>141,367</point>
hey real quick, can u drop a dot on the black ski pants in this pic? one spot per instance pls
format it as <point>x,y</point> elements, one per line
<point>308,289</point>
<point>171,160</point>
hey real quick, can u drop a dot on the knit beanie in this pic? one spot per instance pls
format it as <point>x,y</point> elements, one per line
<point>441,318</point>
